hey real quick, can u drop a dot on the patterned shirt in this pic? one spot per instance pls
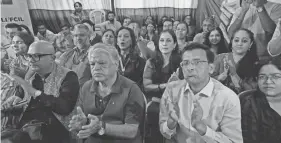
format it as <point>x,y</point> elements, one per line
<point>221,113</point>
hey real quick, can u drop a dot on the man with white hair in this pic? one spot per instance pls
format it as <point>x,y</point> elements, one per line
<point>111,106</point>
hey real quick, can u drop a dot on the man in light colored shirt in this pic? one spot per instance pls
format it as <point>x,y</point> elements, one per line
<point>111,23</point>
<point>260,17</point>
<point>200,109</point>
<point>45,34</point>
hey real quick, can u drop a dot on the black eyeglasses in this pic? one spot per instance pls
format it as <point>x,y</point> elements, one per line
<point>35,58</point>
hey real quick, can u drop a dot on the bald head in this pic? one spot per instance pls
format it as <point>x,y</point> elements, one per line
<point>41,47</point>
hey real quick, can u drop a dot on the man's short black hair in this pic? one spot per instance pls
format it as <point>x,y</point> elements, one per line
<point>89,22</point>
<point>13,25</point>
<point>194,45</point>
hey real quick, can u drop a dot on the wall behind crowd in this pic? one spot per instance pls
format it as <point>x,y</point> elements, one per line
<point>55,12</point>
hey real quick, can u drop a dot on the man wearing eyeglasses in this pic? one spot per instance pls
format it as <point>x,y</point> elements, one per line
<point>199,108</point>
<point>52,93</point>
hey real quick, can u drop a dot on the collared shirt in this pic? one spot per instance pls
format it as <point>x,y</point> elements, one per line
<point>114,26</point>
<point>253,23</point>
<point>49,36</point>
<point>221,113</point>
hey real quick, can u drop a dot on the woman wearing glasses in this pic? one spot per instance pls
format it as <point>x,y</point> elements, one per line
<point>235,69</point>
<point>261,109</point>
<point>156,75</point>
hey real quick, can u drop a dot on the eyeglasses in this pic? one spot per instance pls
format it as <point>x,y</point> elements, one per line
<point>273,77</point>
<point>17,42</point>
<point>194,63</point>
<point>35,58</point>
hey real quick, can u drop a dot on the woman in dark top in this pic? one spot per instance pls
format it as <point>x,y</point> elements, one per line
<point>131,64</point>
<point>156,75</point>
<point>261,109</point>
<point>215,40</point>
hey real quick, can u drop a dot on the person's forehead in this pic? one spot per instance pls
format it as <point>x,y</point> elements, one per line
<point>123,31</point>
<point>110,14</point>
<point>166,35</point>
<point>269,69</point>
<point>194,54</point>
<point>167,22</point>
<point>99,55</point>
<point>79,30</point>
<point>11,29</point>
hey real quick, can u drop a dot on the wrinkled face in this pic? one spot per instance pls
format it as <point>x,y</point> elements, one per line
<point>42,29</point>
<point>65,30</point>
<point>197,70</point>
<point>241,42</point>
<point>78,7</point>
<point>269,80</point>
<point>102,66</point>
<point>126,22</point>
<point>175,24</point>
<point>124,39</point>
<point>166,43</point>
<point>19,46</point>
<point>108,38</point>
<point>111,17</point>
<point>207,26</point>
<point>81,37</point>
<point>214,37</point>
<point>150,27</point>
<point>181,31</point>
<point>42,63</point>
<point>168,25</point>
<point>10,32</point>
<point>187,20</point>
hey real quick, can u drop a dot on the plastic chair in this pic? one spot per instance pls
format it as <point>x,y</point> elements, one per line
<point>97,16</point>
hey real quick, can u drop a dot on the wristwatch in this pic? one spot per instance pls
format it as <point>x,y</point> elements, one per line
<point>259,9</point>
<point>37,93</point>
<point>102,129</point>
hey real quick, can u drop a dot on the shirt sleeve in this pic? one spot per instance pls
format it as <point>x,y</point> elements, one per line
<point>230,125</point>
<point>134,108</point>
<point>68,94</point>
<point>275,13</point>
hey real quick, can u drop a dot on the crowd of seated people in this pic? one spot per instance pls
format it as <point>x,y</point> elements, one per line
<point>79,86</point>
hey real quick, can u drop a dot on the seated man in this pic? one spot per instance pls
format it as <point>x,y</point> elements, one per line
<point>112,106</point>
<point>64,40</point>
<point>199,109</point>
<point>111,23</point>
<point>260,17</point>
<point>45,34</point>
<point>76,58</point>
<point>52,93</point>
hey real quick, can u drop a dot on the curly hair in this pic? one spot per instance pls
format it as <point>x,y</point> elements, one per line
<point>222,47</point>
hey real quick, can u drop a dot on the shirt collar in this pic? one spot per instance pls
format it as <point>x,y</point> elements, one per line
<point>207,90</point>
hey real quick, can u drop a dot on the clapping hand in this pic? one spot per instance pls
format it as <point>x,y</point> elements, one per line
<point>196,118</point>
<point>27,87</point>
<point>246,4</point>
<point>92,128</point>
<point>77,121</point>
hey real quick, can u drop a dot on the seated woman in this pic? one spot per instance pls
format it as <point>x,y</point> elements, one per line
<point>108,37</point>
<point>261,109</point>
<point>131,64</point>
<point>112,106</point>
<point>215,40</point>
<point>208,25</point>
<point>94,37</point>
<point>151,37</point>
<point>182,33</point>
<point>156,74</point>
<point>235,69</point>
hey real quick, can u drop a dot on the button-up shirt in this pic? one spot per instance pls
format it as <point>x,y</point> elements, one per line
<point>221,113</point>
<point>114,26</point>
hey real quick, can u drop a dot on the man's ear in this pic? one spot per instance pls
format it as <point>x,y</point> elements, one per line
<point>211,68</point>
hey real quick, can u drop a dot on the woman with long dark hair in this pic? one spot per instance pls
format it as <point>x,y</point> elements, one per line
<point>156,75</point>
<point>131,64</point>
<point>215,40</point>
<point>261,108</point>
<point>235,69</point>
<point>182,33</point>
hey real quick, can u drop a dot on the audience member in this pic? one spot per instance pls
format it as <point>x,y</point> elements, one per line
<point>136,28</point>
<point>208,25</point>
<point>64,40</point>
<point>274,45</point>
<point>10,30</point>
<point>260,17</point>
<point>215,40</point>
<point>161,22</point>
<point>155,77</point>
<point>51,94</point>
<point>108,37</point>
<point>127,20</point>
<point>168,25</point>
<point>78,15</point>
<point>182,33</point>
<point>235,69</point>
<point>143,31</point>
<point>111,23</point>
<point>199,109</point>
<point>175,24</point>
<point>131,64</point>
<point>94,37</point>
<point>149,19</point>
<point>76,58</point>
<point>111,107</point>
<point>151,37</point>
<point>45,34</point>
<point>261,109</point>
<point>191,27</point>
